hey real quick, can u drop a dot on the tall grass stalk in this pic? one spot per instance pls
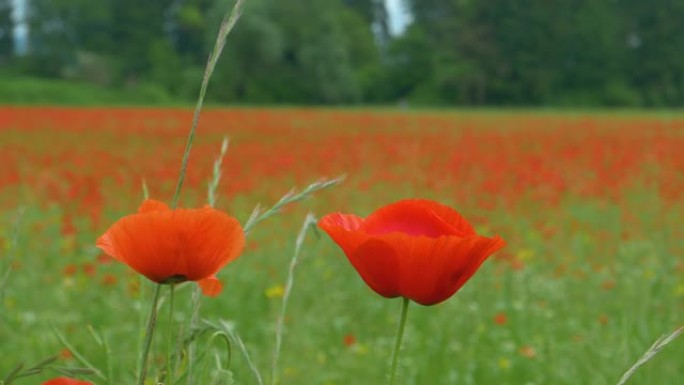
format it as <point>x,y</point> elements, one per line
<point>196,299</point>
<point>245,353</point>
<point>145,190</point>
<point>309,221</point>
<point>12,252</point>
<point>78,356</point>
<point>258,215</point>
<point>227,25</point>
<point>43,366</point>
<point>101,340</point>
<point>657,346</point>
<point>212,194</point>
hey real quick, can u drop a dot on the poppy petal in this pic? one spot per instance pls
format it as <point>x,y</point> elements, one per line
<point>211,286</point>
<point>448,215</point>
<point>346,221</point>
<point>106,244</point>
<point>480,250</point>
<point>145,242</point>
<point>343,229</point>
<point>187,244</point>
<point>215,236</point>
<point>414,248</point>
<point>377,264</point>
<point>152,205</point>
<point>435,269</point>
<point>410,217</point>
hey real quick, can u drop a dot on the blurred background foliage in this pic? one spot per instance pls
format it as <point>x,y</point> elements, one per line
<point>579,53</point>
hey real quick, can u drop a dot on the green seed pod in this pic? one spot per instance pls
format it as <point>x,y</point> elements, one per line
<point>222,377</point>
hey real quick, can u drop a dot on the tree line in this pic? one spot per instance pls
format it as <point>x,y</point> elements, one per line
<point>455,52</point>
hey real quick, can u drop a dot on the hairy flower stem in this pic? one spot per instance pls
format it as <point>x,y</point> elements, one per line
<point>151,324</point>
<point>397,344</point>
<point>170,369</point>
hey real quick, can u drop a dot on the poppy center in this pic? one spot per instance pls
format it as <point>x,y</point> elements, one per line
<point>410,219</point>
<point>176,278</point>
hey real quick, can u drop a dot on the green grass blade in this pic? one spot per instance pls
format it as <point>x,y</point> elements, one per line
<point>79,357</point>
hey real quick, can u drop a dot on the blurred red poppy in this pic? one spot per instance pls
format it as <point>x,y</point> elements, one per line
<point>66,381</point>
<point>414,248</point>
<point>170,246</point>
<point>349,339</point>
<point>500,318</point>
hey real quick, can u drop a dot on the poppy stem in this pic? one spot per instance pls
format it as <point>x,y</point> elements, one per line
<point>151,324</point>
<point>169,348</point>
<point>397,344</point>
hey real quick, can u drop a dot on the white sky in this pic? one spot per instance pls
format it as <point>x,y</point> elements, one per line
<point>20,28</point>
<point>399,18</point>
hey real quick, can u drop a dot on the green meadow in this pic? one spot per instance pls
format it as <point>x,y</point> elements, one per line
<point>591,276</point>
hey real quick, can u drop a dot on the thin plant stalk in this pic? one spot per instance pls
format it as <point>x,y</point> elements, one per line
<point>20,371</point>
<point>194,321</point>
<point>308,222</point>
<point>397,344</point>
<point>245,353</point>
<point>151,324</point>
<point>4,277</point>
<point>227,25</point>
<point>196,300</point>
<point>77,355</point>
<point>657,346</point>
<point>170,369</point>
<point>258,215</point>
<point>212,189</point>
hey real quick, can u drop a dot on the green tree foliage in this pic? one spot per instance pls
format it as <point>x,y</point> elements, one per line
<point>73,39</point>
<point>549,52</point>
<point>191,32</point>
<point>138,28</point>
<point>6,31</point>
<point>112,40</point>
<point>496,52</point>
<point>308,51</point>
<point>374,14</point>
<point>52,45</point>
<point>654,36</point>
<point>456,52</point>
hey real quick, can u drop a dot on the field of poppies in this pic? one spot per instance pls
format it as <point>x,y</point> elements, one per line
<point>589,205</point>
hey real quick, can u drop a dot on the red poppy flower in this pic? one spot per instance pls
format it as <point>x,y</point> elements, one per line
<point>178,245</point>
<point>414,248</point>
<point>66,381</point>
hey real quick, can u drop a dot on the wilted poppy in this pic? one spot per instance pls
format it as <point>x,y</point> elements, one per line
<point>66,381</point>
<point>417,249</point>
<point>170,246</point>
